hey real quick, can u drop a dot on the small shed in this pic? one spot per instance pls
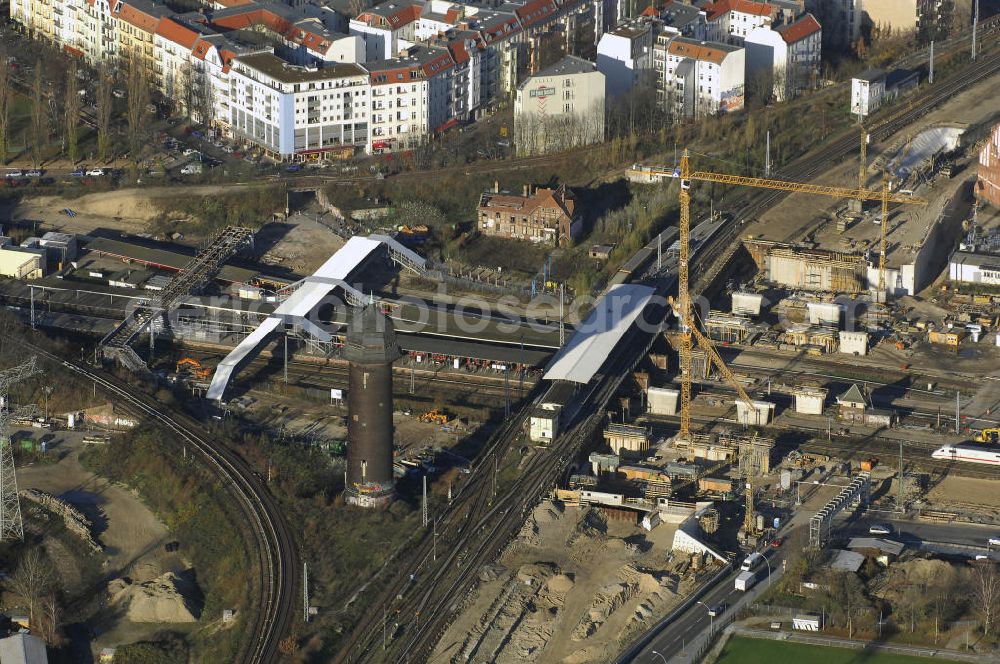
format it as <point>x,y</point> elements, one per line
<point>601,252</point>
<point>852,403</point>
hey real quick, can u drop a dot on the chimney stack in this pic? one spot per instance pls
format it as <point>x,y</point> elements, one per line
<point>496,186</point>
<point>526,189</point>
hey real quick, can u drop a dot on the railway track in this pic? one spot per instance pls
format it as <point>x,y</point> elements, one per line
<point>275,552</point>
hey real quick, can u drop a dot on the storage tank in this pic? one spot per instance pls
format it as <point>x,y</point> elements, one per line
<point>370,348</point>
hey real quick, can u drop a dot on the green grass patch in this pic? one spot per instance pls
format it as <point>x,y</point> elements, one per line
<point>741,650</point>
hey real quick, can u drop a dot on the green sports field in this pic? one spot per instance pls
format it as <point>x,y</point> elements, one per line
<point>742,650</point>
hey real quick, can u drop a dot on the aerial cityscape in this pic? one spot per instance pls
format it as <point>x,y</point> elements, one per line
<point>499,331</point>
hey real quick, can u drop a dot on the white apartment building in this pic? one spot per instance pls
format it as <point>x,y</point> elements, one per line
<point>731,20</point>
<point>625,56</point>
<point>787,57</point>
<point>295,112</point>
<point>867,92</point>
<point>411,97</point>
<point>387,28</point>
<point>560,107</point>
<point>696,78</point>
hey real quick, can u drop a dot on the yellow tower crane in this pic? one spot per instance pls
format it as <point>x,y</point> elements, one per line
<point>684,312</point>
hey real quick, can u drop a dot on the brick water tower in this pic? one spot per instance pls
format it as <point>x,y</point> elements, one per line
<point>370,347</point>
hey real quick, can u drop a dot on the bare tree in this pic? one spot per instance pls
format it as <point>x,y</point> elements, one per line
<point>39,117</point>
<point>31,580</point>
<point>6,95</point>
<point>72,111</point>
<point>105,106</point>
<point>50,614</point>
<point>136,113</point>
<point>986,593</point>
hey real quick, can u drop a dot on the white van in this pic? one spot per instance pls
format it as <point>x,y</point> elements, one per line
<point>752,561</point>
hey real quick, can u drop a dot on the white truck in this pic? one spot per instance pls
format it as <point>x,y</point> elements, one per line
<point>745,581</point>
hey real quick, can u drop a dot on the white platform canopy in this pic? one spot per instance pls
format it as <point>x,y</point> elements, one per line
<point>305,295</point>
<point>581,359</point>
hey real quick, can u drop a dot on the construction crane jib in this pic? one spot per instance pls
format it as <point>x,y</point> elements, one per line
<point>684,311</point>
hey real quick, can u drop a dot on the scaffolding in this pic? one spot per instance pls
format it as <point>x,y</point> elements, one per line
<point>855,493</point>
<point>817,269</point>
<point>728,328</point>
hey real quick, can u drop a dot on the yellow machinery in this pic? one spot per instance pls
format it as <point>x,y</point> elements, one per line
<point>196,368</point>
<point>434,417</point>
<point>988,436</point>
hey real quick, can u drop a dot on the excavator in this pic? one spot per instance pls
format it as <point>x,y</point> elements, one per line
<point>434,417</point>
<point>194,366</point>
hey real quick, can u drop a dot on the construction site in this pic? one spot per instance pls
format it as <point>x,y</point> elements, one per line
<point>786,375</point>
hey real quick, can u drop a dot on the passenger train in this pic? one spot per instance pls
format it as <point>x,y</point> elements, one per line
<point>969,453</point>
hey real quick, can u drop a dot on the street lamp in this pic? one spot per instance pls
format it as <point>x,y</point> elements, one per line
<point>660,655</point>
<point>711,618</point>
<point>768,563</point>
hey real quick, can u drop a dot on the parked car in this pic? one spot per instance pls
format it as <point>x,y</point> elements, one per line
<point>34,173</point>
<point>95,172</point>
<point>48,180</point>
<point>78,173</point>
<point>293,168</point>
<point>227,149</point>
<point>777,542</point>
<point>13,174</point>
<point>880,529</point>
<point>190,151</point>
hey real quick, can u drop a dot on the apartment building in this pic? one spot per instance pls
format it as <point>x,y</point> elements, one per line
<point>560,107</point>
<point>696,78</point>
<point>625,57</point>
<point>299,112</point>
<point>729,21</point>
<point>841,19</point>
<point>410,98</point>
<point>545,216</point>
<point>787,57</point>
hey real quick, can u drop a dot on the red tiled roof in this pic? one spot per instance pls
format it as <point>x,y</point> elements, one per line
<point>720,7</point>
<point>535,11</point>
<point>438,64</point>
<point>201,49</point>
<point>397,19</point>
<point>802,28</point>
<point>700,51</point>
<point>177,33</point>
<point>137,17</point>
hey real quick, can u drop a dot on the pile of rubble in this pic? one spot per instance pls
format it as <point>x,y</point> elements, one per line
<point>74,520</point>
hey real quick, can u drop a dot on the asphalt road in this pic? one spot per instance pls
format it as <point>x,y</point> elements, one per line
<point>673,641</point>
<point>923,534</point>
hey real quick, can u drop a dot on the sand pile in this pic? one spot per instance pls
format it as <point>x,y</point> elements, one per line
<point>162,600</point>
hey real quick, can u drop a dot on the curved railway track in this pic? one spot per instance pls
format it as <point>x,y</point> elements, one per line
<point>274,550</point>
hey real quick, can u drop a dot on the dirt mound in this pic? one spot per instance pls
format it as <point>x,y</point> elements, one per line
<point>165,599</point>
<point>560,584</point>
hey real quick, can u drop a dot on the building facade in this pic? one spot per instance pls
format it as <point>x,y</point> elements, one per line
<point>696,78</point>
<point>988,177</point>
<point>625,57</point>
<point>293,111</point>
<point>559,108</point>
<point>545,216</point>
<point>867,92</point>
